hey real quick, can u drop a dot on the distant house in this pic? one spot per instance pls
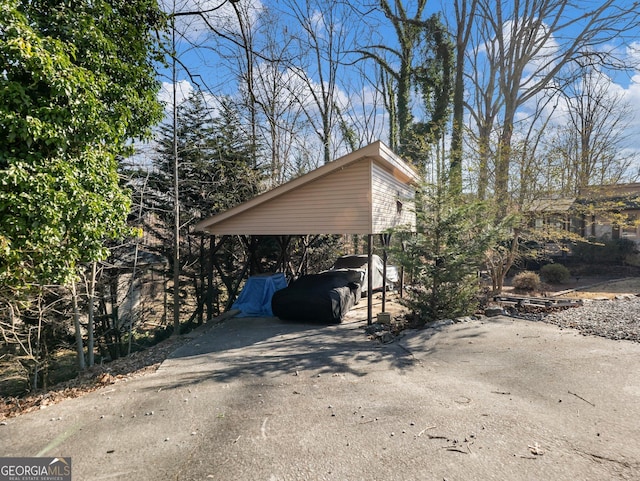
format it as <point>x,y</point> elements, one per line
<point>611,211</point>
<point>551,212</point>
<point>601,211</point>
<point>136,288</point>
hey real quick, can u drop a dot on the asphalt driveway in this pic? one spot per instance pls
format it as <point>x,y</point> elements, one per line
<point>260,399</point>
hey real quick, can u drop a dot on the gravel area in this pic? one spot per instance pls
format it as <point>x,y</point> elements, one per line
<point>617,319</point>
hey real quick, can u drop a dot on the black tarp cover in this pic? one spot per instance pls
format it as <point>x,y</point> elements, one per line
<point>324,297</point>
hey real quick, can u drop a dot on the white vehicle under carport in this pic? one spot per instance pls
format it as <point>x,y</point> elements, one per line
<point>360,263</point>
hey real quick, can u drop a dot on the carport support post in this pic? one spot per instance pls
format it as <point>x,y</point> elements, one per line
<point>369,279</point>
<point>386,241</point>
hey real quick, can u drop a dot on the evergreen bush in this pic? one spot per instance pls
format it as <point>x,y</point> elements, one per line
<point>604,251</point>
<point>554,273</point>
<point>444,257</point>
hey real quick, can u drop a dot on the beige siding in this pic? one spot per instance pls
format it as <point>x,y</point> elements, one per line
<point>337,203</point>
<point>387,191</point>
<point>336,198</point>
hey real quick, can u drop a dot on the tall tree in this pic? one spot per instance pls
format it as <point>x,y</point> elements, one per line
<point>465,11</point>
<point>245,31</point>
<point>408,32</point>
<point>277,90</point>
<point>215,172</point>
<point>589,148</point>
<point>77,84</point>
<point>362,115</point>
<point>322,32</point>
<point>423,63</point>
<point>484,105</point>
<point>535,40</point>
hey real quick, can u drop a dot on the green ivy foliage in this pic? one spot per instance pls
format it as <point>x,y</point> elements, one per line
<point>76,85</point>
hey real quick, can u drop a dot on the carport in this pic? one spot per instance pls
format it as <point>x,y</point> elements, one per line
<point>366,192</point>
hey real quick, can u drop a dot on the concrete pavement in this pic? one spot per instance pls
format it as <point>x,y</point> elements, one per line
<point>261,399</point>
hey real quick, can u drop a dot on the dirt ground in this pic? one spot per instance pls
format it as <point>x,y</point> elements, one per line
<point>120,370</point>
<point>602,288</point>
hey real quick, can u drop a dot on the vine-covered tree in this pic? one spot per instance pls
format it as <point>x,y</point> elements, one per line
<point>423,62</point>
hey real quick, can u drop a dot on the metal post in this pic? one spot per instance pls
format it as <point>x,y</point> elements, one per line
<point>176,190</point>
<point>386,240</point>
<point>369,279</point>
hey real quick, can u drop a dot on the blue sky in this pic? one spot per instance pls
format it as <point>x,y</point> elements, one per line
<point>212,63</point>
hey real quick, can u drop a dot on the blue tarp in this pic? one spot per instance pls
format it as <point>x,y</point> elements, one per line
<point>255,298</point>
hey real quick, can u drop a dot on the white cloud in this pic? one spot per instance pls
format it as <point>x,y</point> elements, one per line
<point>631,95</point>
<point>633,53</point>
<point>217,14</point>
<point>183,90</point>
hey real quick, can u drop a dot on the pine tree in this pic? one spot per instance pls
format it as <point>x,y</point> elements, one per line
<point>443,258</point>
<point>214,157</point>
<point>214,173</point>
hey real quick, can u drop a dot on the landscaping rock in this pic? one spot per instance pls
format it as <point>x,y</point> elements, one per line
<point>493,311</point>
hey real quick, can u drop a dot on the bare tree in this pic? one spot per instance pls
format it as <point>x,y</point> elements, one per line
<point>246,32</point>
<point>589,146</point>
<point>528,153</point>
<point>277,88</point>
<point>465,11</point>
<point>31,332</point>
<point>323,33</point>
<point>363,111</point>
<point>484,105</point>
<point>534,40</point>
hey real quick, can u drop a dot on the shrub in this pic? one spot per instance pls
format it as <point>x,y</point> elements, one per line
<point>526,281</point>
<point>605,251</point>
<point>554,273</point>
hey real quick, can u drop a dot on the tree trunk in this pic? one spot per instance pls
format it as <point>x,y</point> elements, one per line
<point>209,264</point>
<point>455,165</point>
<point>77,327</point>
<point>503,163</point>
<point>176,201</point>
<point>464,22</point>
<point>483,159</point>
<point>91,315</point>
